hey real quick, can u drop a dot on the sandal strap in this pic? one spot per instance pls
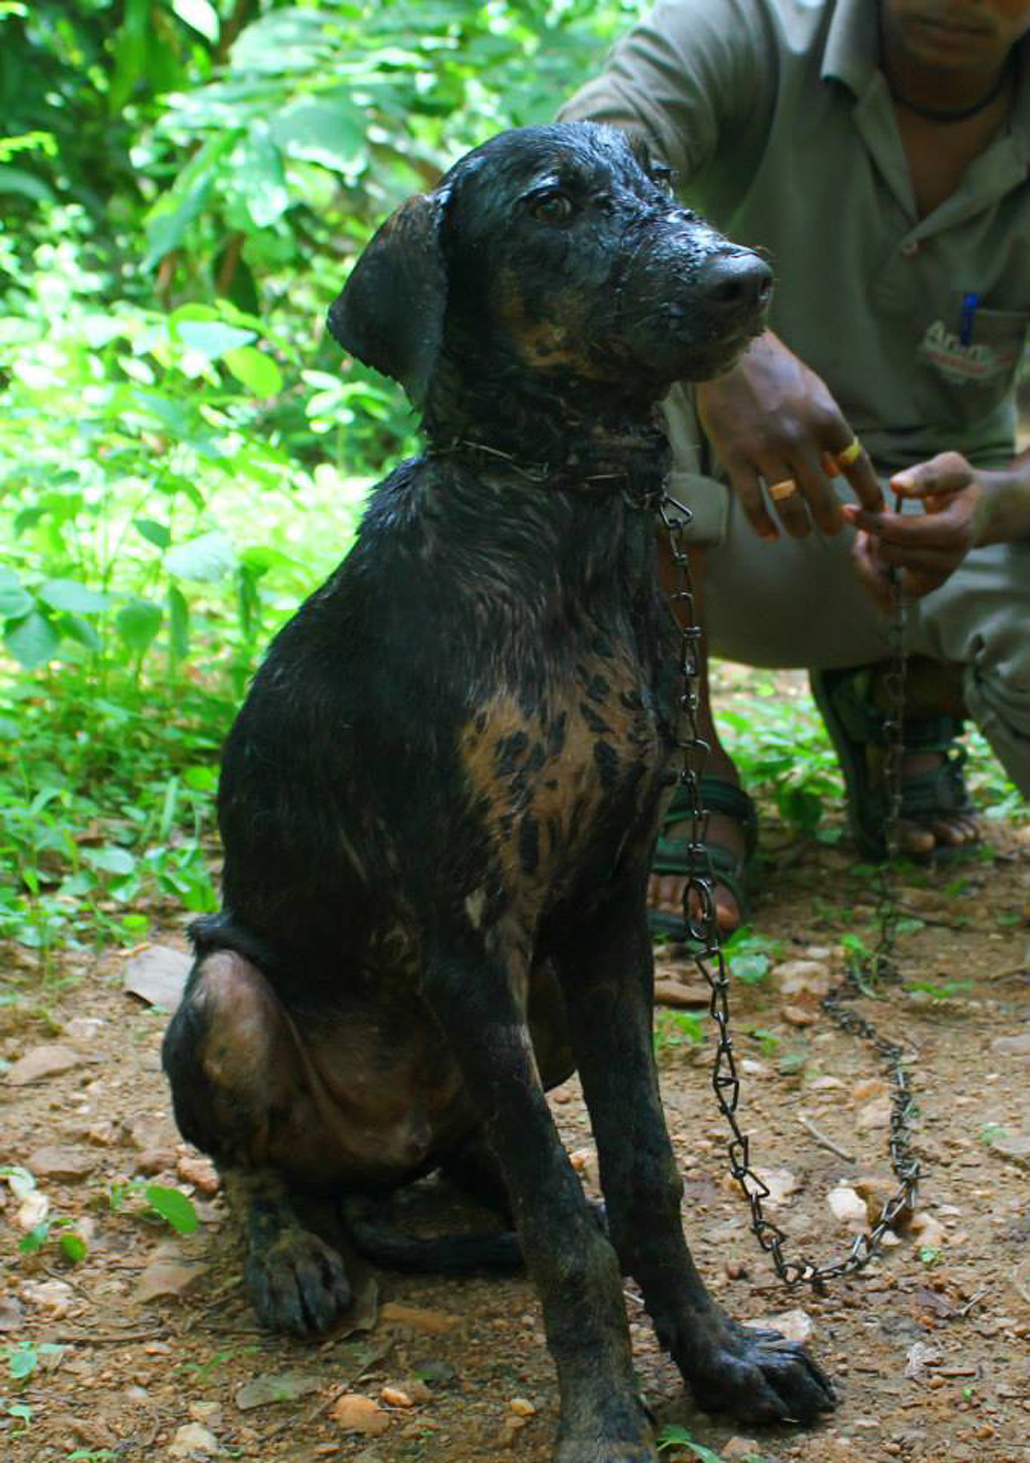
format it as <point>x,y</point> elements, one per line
<point>680,856</point>
<point>717,796</point>
<point>865,722</point>
<point>941,790</point>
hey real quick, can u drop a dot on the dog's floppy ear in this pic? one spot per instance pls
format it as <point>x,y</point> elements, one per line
<point>390,312</point>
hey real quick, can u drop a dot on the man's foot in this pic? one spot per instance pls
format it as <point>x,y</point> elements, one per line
<point>938,827</point>
<point>936,811</point>
<point>730,840</point>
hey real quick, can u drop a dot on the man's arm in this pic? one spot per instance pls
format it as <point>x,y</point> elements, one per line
<point>964,508</point>
<point>688,74</point>
<point>771,418</point>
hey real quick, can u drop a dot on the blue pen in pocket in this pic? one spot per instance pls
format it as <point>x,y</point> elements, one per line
<point>970,301</point>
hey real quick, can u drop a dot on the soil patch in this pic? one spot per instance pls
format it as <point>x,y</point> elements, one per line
<point>147,1348</point>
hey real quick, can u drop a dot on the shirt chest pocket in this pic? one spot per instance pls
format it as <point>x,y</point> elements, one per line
<point>967,362</point>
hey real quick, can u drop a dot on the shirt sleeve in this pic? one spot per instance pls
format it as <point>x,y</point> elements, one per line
<point>691,75</point>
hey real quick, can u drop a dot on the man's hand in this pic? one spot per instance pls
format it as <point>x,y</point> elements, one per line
<point>925,547</point>
<point>772,418</point>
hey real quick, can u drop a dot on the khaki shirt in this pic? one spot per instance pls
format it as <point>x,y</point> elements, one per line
<point>781,129</point>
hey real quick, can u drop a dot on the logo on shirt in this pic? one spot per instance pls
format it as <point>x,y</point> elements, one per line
<point>965,364</point>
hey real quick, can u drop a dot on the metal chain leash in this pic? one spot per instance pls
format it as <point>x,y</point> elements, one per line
<point>700,917</point>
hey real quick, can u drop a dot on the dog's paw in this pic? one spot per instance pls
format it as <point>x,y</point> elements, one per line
<point>298,1284</point>
<point>758,1376</point>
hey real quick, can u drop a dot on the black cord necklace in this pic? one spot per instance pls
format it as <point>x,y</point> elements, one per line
<point>946,114</point>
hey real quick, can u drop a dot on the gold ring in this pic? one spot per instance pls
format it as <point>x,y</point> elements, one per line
<point>850,452</point>
<point>779,491</point>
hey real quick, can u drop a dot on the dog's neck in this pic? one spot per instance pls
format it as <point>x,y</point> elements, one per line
<point>562,434</point>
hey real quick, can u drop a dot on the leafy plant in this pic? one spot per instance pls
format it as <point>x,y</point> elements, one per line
<point>23,1358</point>
<point>203,1372</point>
<point>184,453</point>
<point>70,1242</point>
<point>161,1202</point>
<point>782,748</point>
<point>678,1028</point>
<point>768,1040</point>
<point>750,955</point>
<point>857,953</point>
<point>941,990</point>
<point>20,1411</point>
<point>675,1436</point>
<point>990,1131</point>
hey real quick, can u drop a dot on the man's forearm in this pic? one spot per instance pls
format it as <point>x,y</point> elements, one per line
<point>1003,513</point>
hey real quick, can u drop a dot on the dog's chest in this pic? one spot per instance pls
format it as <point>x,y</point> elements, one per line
<point>560,784</point>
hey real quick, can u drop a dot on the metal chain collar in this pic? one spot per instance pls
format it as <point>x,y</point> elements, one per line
<point>702,929</point>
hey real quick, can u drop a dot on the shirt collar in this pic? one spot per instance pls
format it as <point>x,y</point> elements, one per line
<point>851,55</point>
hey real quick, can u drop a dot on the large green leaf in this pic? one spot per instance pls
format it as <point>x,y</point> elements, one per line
<point>72,598</point>
<point>15,600</point>
<point>207,559</point>
<point>171,216</point>
<point>16,180</point>
<point>110,859</point>
<point>212,338</point>
<point>259,178</point>
<point>199,15</point>
<point>286,40</point>
<point>256,370</point>
<point>138,623</point>
<point>32,641</point>
<point>155,533</point>
<point>330,132</point>
<point>178,622</point>
<point>173,1207</point>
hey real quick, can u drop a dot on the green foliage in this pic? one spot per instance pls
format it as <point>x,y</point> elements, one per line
<point>767,1040</point>
<point>160,1202</point>
<point>678,1028</point>
<point>174,1208</point>
<point>781,747</point>
<point>184,185</point>
<point>21,1412</point>
<point>675,1436</point>
<point>750,955</point>
<point>941,990</point>
<point>183,452</point>
<point>70,1243</point>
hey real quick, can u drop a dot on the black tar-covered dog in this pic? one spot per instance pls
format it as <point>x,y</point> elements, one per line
<point>439,800</point>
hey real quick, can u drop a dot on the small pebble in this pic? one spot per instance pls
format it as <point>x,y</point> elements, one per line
<point>354,1413</point>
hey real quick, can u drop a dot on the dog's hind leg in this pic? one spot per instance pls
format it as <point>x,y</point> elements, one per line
<point>240,1094</point>
<point>476,996</point>
<point>607,974</point>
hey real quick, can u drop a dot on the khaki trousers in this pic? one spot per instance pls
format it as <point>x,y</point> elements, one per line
<point>799,602</point>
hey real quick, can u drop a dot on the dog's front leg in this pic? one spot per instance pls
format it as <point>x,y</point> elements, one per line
<point>607,973</point>
<point>476,998</point>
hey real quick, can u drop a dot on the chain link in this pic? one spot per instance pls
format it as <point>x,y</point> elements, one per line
<point>700,918</point>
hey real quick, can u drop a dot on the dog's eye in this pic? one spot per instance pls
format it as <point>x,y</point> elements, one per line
<point>662,175</point>
<point>551,208</point>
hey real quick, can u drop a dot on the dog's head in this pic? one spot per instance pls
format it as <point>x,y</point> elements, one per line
<point>557,251</point>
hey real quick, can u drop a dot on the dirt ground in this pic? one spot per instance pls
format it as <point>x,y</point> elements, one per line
<point>930,1347</point>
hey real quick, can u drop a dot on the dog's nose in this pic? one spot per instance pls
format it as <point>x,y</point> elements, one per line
<point>735,284</point>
